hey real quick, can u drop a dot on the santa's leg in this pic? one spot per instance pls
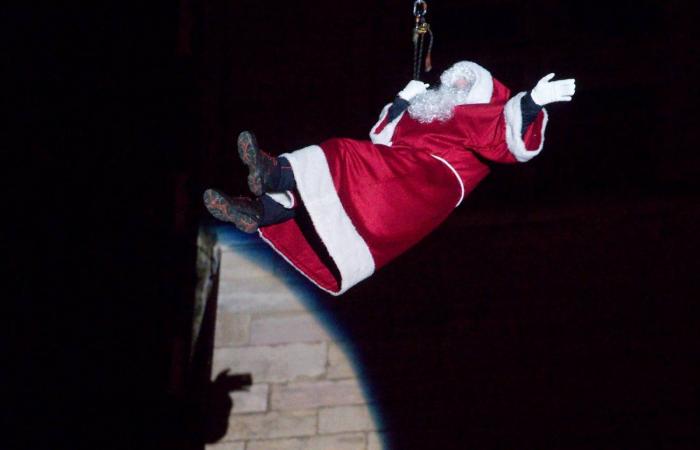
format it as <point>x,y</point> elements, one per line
<point>274,212</point>
<point>247,214</point>
<point>265,172</point>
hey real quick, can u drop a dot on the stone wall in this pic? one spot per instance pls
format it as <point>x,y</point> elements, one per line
<point>306,393</point>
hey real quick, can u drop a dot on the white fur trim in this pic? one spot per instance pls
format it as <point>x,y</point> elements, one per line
<point>514,122</point>
<point>384,137</point>
<point>332,223</point>
<point>482,89</point>
<point>461,184</point>
<point>285,198</point>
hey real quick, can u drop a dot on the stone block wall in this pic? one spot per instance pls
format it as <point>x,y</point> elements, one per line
<point>306,393</point>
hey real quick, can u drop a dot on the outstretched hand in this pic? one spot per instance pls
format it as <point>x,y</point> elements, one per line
<point>548,91</point>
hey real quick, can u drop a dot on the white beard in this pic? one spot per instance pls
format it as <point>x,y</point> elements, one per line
<point>437,104</point>
<point>440,104</point>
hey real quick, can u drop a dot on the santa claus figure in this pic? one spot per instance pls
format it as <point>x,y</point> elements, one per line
<point>369,201</point>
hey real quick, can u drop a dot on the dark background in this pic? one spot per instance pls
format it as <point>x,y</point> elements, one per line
<point>555,309</point>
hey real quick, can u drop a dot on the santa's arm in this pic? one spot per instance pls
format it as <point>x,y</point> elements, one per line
<point>526,119</point>
<point>529,110</point>
<point>383,130</point>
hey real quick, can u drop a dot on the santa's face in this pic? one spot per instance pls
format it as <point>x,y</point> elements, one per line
<point>462,83</point>
<point>455,85</point>
<point>460,77</point>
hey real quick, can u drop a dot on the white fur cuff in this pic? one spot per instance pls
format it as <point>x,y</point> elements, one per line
<point>285,198</point>
<point>514,122</point>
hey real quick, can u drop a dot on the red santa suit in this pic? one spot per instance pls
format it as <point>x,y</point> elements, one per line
<point>369,201</point>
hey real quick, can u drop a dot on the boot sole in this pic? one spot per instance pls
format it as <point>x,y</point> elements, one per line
<point>221,207</point>
<point>249,152</point>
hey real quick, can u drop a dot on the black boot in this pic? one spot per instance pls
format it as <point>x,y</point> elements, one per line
<point>263,169</point>
<point>245,213</point>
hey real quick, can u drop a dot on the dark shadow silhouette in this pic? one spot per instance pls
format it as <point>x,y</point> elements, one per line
<point>217,405</point>
<point>210,404</point>
<point>189,423</point>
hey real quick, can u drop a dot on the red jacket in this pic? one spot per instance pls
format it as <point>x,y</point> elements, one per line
<point>370,202</point>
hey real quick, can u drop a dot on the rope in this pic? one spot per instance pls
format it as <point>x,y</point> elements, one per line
<point>421,28</point>
<point>417,55</point>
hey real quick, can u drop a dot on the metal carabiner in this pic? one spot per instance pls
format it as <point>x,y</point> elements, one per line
<point>420,7</point>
